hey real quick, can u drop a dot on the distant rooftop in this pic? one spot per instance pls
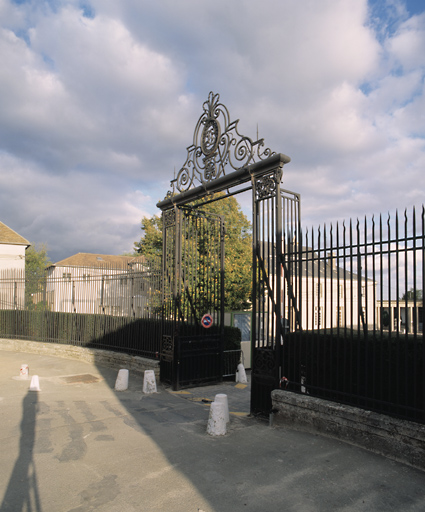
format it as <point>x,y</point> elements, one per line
<point>84,259</point>
<point>10,237</point>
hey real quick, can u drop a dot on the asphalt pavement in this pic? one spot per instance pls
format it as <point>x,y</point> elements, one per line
<point>77,445</point>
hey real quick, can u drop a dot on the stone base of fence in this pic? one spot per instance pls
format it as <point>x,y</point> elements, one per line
<point>396,439</point>
<point>95,356</point>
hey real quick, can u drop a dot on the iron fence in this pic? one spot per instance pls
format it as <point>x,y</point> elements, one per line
<point>231,360</point>
<point>102,307</point>
<point>105,308</point>
<point>355,332</point>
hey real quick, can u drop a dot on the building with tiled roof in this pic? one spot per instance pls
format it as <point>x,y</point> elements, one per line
<point>98,284</point>
<point>89,260</point>
<point>12,249</point>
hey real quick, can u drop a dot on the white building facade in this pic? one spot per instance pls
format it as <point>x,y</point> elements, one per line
<point>12,268</point>
<point>98,284</point>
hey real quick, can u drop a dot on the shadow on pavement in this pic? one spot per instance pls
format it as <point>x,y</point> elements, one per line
<point>22,491</point>
<point>255,467</point>
<point>97,449</point>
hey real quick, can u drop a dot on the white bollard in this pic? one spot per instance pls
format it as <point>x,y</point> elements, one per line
<point>35,383</point>
<point>23,372</point>
<point>149,382</point>
<point>223,399</point>
<point>121,384</point>
<point>241,374</point>
<point>217,420</point>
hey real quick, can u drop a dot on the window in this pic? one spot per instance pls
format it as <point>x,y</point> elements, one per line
<point>319,290</point>
<point>86,277</point>
<point>66,276</point>
<point>340,315</point>
<point>317,316</point>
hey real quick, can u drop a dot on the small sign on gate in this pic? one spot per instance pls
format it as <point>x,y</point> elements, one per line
<point>207,321</point>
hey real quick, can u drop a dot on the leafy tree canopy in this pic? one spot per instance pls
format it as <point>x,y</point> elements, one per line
<point>36,261</point>
<point>238,248</point>
<point>151,242</point>
<point>412,294</point>
<point>238,253</point>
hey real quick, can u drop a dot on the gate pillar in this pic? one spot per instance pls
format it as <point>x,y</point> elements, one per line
<point>267,286</point>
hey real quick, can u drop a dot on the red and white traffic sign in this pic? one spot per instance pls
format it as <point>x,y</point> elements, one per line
<point>207,321</point>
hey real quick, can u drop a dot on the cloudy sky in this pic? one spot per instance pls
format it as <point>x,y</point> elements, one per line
<point>99,100</point>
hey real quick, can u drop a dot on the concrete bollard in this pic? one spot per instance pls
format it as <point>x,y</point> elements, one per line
<point>149,382</point>
<point>24,371</point>
<point>241,374</point>
<point>121,384</point>
<point>221,398</point>
<point>217,420</point>
<point>35,383</point>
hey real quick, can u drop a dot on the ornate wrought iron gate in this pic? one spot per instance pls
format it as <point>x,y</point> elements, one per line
<point>276,214</point>
<point>193,314</point>
<point>217,145</point>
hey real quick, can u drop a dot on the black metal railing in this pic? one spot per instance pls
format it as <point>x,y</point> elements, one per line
<point>103,307</point>
<point>359,339</point>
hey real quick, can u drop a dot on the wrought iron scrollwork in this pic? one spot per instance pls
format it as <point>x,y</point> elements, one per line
<point>216,144</point>
<point>265,185</point>
<point>167,346</point>
<point>169,218</point>
<point>264,362</point>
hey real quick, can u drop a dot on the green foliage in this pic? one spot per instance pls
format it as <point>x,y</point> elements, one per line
<point>238,253</point>
<point>151,242</point>
<point>238,249</point>
<point>412,294</point>
<point>36,261</point>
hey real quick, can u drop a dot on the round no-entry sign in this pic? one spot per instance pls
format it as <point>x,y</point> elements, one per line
<point>207,321</point>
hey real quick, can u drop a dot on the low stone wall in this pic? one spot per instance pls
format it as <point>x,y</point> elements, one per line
<point>399,440</point>
<point>95,356</point>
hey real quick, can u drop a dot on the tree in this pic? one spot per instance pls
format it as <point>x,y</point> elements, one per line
<point>412,294</point>
<point>238,248</point>
<point>36,261</point>
<point>151,242</point>
<point>238,252</point>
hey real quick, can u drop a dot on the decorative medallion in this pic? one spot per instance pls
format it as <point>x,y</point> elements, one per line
<point>210,137</point>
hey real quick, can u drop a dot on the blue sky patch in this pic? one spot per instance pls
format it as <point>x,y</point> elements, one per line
<point>88,10</point>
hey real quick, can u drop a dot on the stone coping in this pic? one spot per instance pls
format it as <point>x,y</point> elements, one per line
<point>106,358</point>
<point>396,439</point>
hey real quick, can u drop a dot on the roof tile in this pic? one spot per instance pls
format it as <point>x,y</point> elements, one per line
<point>84,259</point>
<point>10,237</point>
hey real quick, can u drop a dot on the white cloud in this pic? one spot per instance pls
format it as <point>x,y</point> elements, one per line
<point>97,107</point>
<point>73,212</point>
<point>407,45</point>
